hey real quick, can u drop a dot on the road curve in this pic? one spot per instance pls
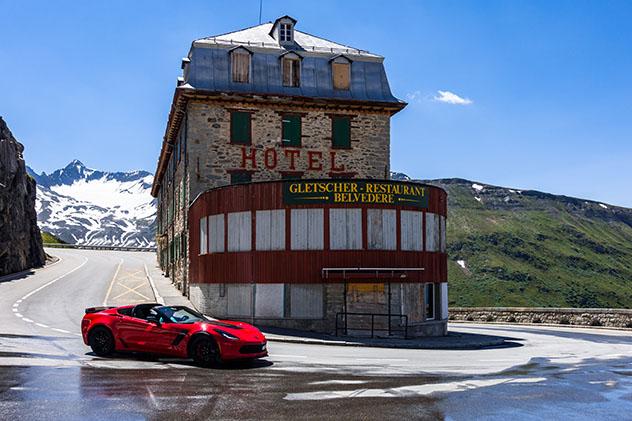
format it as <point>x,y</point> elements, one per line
<point>552,372</point>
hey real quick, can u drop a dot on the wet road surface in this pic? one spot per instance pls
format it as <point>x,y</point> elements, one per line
<point>47,373</point>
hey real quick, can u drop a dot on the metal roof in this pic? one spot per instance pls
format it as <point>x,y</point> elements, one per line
<point>259,36</point>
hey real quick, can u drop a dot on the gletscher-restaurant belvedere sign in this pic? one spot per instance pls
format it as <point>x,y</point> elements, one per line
<point>307,192</point>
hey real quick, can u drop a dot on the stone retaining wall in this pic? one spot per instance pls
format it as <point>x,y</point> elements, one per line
<point>607,317</point>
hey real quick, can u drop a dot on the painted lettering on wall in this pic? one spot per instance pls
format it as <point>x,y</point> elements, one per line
<point>292,159</point>
<point>355,192</point>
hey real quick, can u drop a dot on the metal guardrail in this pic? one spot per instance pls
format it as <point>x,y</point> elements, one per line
<point>98,247</point>
<point>345,327</point>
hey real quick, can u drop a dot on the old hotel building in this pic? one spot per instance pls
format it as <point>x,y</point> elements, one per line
<point>274,199</point>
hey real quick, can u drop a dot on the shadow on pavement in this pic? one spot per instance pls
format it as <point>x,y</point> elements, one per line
<point>139,356</point>
<point>453,340</point>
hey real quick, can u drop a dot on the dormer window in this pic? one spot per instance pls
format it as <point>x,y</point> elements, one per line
<point>341,72</point>
<point>285,32</point>
<point>291,68</point>
<point>240,65</point>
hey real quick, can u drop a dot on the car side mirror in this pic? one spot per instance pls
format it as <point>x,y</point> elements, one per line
<point>153,319</point>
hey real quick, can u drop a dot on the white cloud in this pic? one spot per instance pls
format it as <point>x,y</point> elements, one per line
<point>413,96</point>
<point>451,98</point>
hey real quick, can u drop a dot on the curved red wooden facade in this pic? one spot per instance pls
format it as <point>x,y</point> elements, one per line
<point>287,265</point>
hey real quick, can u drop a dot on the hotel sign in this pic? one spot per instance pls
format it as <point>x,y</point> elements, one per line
<point>305,192</point>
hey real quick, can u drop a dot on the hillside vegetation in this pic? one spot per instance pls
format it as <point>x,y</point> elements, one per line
<point>526,248</point>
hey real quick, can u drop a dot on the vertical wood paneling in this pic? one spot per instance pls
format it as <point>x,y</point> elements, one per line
<point>239,297</point>
<point>345,229</point>
<point>443,247</point>
<point>307,229</point>
<point>216,233</point>
<point>270,230</point>
<point>381,229</point>
<point>411,230</point>
<point>239,231</point>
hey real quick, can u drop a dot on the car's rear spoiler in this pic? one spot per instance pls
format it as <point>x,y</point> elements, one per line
<point>98,309</point>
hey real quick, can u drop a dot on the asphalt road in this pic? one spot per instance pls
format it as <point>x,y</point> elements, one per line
<point>47,373</point>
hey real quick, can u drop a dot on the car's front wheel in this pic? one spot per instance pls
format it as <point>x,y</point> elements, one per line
<point>101,341</point>
<point>205,352</point>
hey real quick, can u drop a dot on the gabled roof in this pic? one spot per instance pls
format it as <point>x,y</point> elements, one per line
<point>259,36</point>
<point>276,22</point>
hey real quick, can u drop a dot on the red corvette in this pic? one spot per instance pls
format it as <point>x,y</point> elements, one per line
<point>175,331</point>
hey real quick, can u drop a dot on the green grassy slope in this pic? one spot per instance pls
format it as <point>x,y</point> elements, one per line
<point>534,249</point>
<point>48,238</point>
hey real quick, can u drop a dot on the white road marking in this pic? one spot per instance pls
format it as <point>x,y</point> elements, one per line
<point>157,296</point>
<point>381,359</point>
<point>289,356</point>
<point>16,305</point>
<point>59,330</point>
<point>105,300</point>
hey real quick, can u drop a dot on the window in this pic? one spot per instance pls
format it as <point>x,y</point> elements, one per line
<point>285,32</point>
<point>341,74</point>
<point>291,72</point>
<point>203,236</point>
<point>307,229</point>
<point>239,231</point>
<point>291,130</point>
<point>240,177</point>
<point>240,127</point>
<point>240,65</point>
<point>341,132</point>
<point>216,233</point>
<point>345,229</point>
<point>429,293</point>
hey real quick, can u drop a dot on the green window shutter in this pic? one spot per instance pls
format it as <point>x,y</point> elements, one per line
<point>240,177</point>
<point>292,130</point>
<point>240,127</point>
<point>341,132</point>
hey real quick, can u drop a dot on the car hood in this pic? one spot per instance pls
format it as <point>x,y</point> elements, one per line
<point>242,330</point>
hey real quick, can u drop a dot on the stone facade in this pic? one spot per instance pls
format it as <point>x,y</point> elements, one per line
<point>213,157</point>
<point>619,318</point>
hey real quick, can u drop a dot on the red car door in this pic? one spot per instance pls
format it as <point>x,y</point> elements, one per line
<point>131,332</point>
<point>161,338</point>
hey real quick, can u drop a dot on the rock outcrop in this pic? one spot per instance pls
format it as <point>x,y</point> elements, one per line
<point>20,239</point>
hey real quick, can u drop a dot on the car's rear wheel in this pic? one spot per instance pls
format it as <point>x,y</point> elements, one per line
<point>205,352</point>
<point>101,341</point>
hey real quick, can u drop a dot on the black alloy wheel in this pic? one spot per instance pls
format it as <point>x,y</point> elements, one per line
<point>101,341</point>
<point>205,352</point>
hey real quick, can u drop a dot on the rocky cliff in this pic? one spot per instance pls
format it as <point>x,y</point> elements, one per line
<point>20,240</point>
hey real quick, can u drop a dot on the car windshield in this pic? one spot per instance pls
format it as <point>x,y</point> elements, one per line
<point>177,314</point>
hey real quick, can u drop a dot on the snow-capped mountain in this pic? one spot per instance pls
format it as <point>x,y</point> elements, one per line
<point>81,205</point>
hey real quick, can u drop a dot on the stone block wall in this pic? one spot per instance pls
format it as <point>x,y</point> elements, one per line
<point>619,318</point>
<point>212,157</point>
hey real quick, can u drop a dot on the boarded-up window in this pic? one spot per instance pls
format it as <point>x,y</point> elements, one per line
<point>291,130</point>
<point>306,301</point>
<point>203,237</point>
<point>345,229</point>
<point>291,72</point>
<point>216,233</point>
<point>341,74</point>
<point>239,299</point>
<point>270,230</point>
<point>240,65</point>
<point>429,295</point>
<point>269,300</point>
<point>307,230</point>
<point>341,132</point>
<point>240,127</point>
<point>239,231</point>
<point>381,227</point>
<point>240,177</point>
<point>433,232</point>
<point>412,237</point>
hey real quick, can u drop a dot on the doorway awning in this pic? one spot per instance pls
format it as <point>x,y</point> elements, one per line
<point>369,273</point>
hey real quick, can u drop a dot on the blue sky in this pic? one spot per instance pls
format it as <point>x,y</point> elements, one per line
<point>550,82</point>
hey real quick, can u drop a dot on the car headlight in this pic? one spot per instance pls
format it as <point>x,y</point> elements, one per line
<point>227,335</point>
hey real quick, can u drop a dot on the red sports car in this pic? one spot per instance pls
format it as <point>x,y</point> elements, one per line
<point>175,331</point>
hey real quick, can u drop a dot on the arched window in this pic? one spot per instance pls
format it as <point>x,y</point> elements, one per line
<point>291,69</point>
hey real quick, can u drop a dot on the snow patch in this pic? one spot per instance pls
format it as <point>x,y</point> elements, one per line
<point>477,187</point>
<point>461,263</point>
<point>603,206</point>
<point>478,199</point>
